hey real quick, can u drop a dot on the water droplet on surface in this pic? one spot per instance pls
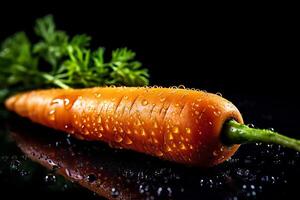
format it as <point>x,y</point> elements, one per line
<point>182,146</point>
<point>197,112</point>
<point>162,99</point>
<point>144,102</point>
<point>114,192</point>
<point>97,95</point>
<point>52,115</point>
<point>251,125</point>
<point>215,153</point>
<point>210,123</point>
<point>159,153</point>
<point>118,138</point>
<point>170,136</point>
<point>91,178</point>
<point>188,130</point>
<point>50,179</point>
<point>175,129</point>
<point>219,94</point>
<point>127,140</point>
<point>181,87</point>
<point>168,148</point>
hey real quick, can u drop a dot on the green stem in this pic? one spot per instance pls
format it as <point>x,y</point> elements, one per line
<point>235,133</point>
<point>55,81</point>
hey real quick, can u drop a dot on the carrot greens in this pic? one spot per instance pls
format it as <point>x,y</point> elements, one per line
<point>59,60</point>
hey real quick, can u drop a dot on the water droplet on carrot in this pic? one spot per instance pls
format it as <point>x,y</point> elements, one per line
<point>159,153</point>
<point>155,125</point>
<point>188,130</point>
<point>182,146</point>
<point>127,140</point>
<point>162,99</point>
<point>210,123</point>
<point>215,153</point>
<point>170,136</point>
<point>144,102</point>
<point>191,147</point>
<point>181,87</point>
<point>100,135</point>
<point>168,148</point>
<point>143,133</point>
<point>175,129</point>
<point>97,95</point>
<point>101,128</point>
<point>197,112</point>
<point>219,94</point>
<point>217,113</point>
<point>118,138</point>
<point>52,115</point>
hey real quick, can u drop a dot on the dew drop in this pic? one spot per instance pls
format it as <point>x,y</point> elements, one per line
<point>175,129</point>
<point>170,136</point>
<point>188,130</point>
<point>144,102</point>
<point>181,87</point>
<point>52,115</point>
<point>98,95</point>
<point>197,112</point>
<point>155,125</point>
<point>182,146</point>
<point>50,179</point>
<point>159,153</point>
<point>127,140</point>
<point>91,178</point>
<point>162,99</point>
<point>215,153</point>
<point>118,138</point>
<point>168,148</point>
<point>219,94</point>
<point>210,123</point>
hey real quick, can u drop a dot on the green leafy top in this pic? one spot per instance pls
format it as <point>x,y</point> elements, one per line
<point>58,60</point>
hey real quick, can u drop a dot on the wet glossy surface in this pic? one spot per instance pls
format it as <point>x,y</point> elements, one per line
<point>255,172</point>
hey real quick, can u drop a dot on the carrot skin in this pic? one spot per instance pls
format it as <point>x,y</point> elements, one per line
<point>179,125</point>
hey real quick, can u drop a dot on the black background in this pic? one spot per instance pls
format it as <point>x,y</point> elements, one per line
<point>250,55</point>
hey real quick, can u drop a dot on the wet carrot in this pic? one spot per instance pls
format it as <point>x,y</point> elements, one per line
<point>175,124</point>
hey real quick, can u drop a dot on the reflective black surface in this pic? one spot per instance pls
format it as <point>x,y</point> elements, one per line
<point>256,172</point>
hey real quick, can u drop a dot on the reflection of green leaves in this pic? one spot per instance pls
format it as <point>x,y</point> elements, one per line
<point>63,61</point>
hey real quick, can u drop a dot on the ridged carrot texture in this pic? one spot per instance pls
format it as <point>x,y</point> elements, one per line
<point>174,124</point>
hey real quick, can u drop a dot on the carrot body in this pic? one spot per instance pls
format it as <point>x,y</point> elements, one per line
<point>175,124</point>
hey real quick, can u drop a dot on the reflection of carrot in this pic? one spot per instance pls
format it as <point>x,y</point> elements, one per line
<point>174,124</point>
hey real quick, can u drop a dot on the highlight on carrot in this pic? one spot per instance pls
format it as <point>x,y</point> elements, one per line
<point>181,125</point>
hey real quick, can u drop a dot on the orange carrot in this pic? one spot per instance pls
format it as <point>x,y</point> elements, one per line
<point>174,124</point>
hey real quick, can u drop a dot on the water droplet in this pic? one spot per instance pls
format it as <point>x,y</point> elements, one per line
<point>210,123</point>
<point>50,179</point>
<point>181,87</point>
<point>143,133</point>
<point>191,147</point>
<point>52,115</point>
<point>91,178</point>
<point>118,138</point>
<point>197,112</point>
<point>144,102</point>
<point>155,125</point>
<point>175,129</point>
<point>114,192</point>
<point>199,100</point>
<point>215,153</point>
<point>162,99</point>
<point>217,113</point>
<point>182,146</point>
<point>168,148</point>
<point>159,153</point>
<point>170,136</point>
<point>127,140</point>
<point>188,130</point>
<point>251,126</point>
<point>98,95</point>
<point>219,94</point>
<point>271,129</point>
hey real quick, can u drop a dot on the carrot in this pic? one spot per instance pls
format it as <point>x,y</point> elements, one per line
<point>174,124</point>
